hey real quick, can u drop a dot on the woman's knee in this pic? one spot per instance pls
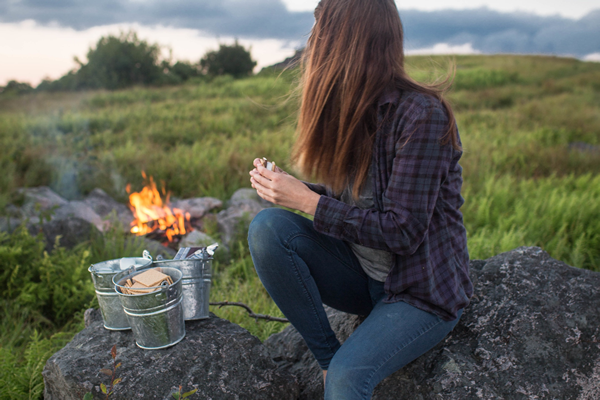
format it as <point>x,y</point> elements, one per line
<point>269,229</point>
<point>265,226</point>
<point>346,381</point>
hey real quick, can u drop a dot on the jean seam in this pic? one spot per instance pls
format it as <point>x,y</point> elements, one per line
<point>293,236</point>
<point>394,354</point>
<point>307,292</point>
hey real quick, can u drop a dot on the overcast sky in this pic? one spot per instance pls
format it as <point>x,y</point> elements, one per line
<point>39,38</point>
<point>572,8</point>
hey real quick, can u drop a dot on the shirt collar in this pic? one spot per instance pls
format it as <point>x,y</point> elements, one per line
<point>389,95</point>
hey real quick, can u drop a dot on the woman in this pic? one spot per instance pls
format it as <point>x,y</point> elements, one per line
<point>387,240</point>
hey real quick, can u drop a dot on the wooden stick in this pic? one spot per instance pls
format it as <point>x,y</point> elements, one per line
<point>249,310</point>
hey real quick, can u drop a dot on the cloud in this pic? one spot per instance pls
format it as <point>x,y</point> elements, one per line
<point>245,18</point>
<point>494,32</point>
<point>486,30</point>
<point>444,48</point>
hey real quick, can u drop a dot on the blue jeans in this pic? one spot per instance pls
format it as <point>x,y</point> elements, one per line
<point>302,269</point>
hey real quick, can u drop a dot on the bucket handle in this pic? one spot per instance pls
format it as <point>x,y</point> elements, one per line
<point>211,249</point>
<point>146,255</point>
<point>164,288</point>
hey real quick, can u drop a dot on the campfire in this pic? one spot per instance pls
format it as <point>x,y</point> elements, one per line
<point>154,217</point>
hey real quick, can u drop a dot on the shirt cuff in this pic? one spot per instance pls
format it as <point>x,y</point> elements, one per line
<point>330,216</point>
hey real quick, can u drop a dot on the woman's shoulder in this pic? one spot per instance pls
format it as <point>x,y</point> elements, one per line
<point>418,105</point>
<point>411,104</point>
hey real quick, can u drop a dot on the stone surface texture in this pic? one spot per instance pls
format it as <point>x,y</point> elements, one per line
<point>241,209</point>
<point>8,224</point>
<point>196,239</point>
<point>532,331</point>
<point>72,231</point>
<point>79,209</point>
<point>39,197</point>
<point>107,207</point>
<point>289,351</point>
<point>197,207</point>
<point>244,194</point>
<point>155,248</point>
<point>220,359</point>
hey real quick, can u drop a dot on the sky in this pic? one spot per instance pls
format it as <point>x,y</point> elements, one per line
<point>39,38</point>
<point>571,8</point>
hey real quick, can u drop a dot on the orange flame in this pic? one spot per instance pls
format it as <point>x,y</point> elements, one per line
<point>151,214</point>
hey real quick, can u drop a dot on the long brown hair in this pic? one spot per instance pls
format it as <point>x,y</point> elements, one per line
<point>355,51</point>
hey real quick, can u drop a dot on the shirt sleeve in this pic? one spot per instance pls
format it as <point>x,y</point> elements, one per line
<point>319,188</point>
<point>420,166</point>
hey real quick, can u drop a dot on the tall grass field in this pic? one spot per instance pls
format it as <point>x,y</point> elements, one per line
<point>530,128</point>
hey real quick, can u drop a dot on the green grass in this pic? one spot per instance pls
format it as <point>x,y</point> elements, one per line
<point>524,184</point>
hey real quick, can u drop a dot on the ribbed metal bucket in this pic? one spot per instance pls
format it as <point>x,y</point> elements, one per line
<point>102,275</point>
<point>196,285</point>
<point>156,318</point>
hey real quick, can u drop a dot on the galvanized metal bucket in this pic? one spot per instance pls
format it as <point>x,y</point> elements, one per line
<point>197,276</point>
<point>102,275</point>
<point>156,318</point>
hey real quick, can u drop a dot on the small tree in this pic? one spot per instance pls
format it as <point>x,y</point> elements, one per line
<point>184,70</point>
<point>119,62</point>
<point>14,87</point>
<point>232,60</point>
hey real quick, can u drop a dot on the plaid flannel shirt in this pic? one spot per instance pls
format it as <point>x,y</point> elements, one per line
<point>416,191</point>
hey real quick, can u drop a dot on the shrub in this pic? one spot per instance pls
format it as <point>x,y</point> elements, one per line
<point>232,60</point>
<point>14,87</point>
<point>55,285</point>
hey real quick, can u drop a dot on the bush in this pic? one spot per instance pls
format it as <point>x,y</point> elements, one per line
<point>55,285</point>
<point>184,70</point>
<point>228,60</point>
<point>119,62</point>
<point>115,63</point>
<point>14,87</point>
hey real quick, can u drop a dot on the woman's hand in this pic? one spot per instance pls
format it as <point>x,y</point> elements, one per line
<point>283,189</point>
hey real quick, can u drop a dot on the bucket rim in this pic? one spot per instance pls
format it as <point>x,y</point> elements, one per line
<point>134,272</point>
<point>186,260</point>
<point>147,262</point>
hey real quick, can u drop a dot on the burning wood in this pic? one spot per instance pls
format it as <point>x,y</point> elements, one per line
<point>153,216</point>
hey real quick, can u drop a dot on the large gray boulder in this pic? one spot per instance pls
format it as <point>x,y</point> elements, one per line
<point>70,232</point>
<point>532,331</point>
<point>79,209</point>
<point>39,199</point>
<point>196,239</point>
<point>241,209</point>
<point>197,207</point>
<point>8,224</point>
<point>107,207</point>
<point>41,203</point>
<point>220,359</point>
<point>289,351</point>
<point>247,194</point>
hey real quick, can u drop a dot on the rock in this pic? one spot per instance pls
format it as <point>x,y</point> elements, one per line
<point>40,197</point>
<point>9,224</point>
<point>244,194</point>
<point>79,209</point>
<point>242,208</point>
<point>584,147</point>
<point>72,231</point>
<point>196,239</point>
<point>92,315</point>
<point>291,354</point>
<point>197,207</point>
<point>104,206</point>
<point>220,359</point>
<point>154,247</point>
<point>532,331</point>
<point>13,211</point>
